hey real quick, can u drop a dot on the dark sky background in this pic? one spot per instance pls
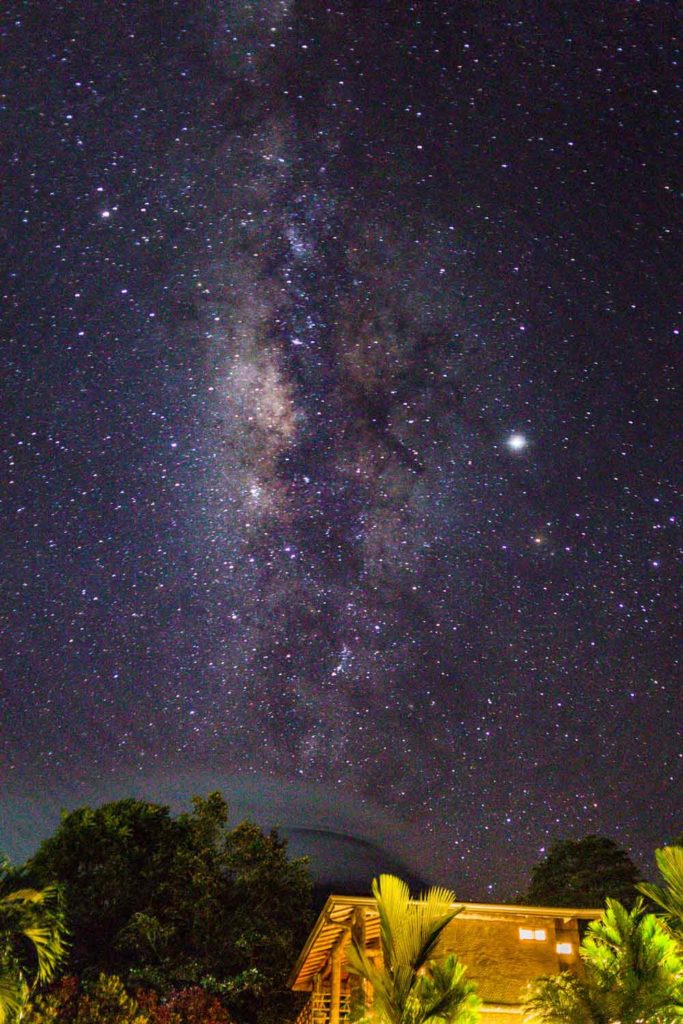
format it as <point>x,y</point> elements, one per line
<point>339,419</point>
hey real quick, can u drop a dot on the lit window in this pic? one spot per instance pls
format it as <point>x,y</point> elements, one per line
<point>564,948</point>
<point>532,934</point>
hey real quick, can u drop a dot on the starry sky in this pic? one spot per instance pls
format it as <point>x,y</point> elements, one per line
<point>339,422</point>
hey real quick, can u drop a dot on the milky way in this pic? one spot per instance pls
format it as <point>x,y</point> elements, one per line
<point>339,419</point>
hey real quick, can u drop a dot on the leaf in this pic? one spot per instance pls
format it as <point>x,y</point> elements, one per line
<point>13,994</point>
<point>409,988</point>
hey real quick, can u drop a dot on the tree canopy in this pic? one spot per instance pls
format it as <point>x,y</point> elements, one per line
<point>583,873</point>
<point>111,861</point>
<point>171,902</point>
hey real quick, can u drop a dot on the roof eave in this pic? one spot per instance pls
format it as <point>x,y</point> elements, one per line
<point>324,919</point>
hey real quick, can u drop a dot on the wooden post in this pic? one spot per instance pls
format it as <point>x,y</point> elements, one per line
<point>369,991</point>
<point>357,1000</point>
<point>335,985</point>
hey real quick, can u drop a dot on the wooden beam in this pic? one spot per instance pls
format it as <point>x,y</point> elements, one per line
<point>335,985</point>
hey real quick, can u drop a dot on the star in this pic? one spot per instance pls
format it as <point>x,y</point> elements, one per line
<point>267,368</point>
<point>516,442</point>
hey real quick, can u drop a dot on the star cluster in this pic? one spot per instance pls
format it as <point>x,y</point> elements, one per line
<point>340,352</point>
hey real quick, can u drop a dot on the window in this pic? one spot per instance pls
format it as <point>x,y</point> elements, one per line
<point>532,934</point>
<point>564,948</point>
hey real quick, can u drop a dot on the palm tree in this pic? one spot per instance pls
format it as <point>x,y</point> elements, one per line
<point>633,975</point>
<point>410,987</point>
<point>669,896</point>
<point>32,942</point>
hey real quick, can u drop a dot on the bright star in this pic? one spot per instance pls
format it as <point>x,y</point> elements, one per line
<point>516,442</point>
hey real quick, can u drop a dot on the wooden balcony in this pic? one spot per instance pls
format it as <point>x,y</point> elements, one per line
<point>317,1009</point>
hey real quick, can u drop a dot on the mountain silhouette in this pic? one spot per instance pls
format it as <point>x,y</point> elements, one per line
<point>345,864</point>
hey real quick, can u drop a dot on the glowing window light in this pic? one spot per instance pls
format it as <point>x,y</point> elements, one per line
<point>564,948</point>
<point>532,934</point>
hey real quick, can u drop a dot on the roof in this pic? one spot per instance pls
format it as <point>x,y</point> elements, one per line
<point>335,918</point>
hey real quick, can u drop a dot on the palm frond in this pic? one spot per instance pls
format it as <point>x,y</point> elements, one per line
<point>13,994</point>
<point>36,914</point>
<point>633,973</point>
<point>408,987</point>
<point>392,896</point>
<point>49,948</point>
<point>359,963</point>
<point>434,911</point>
<point>561,999</point>
<point>33,918</point>
<point>410,929</point>
<point>668,897</point>
<point>446,994</point>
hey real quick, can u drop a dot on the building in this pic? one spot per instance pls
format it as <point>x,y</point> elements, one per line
<point>503,947</point>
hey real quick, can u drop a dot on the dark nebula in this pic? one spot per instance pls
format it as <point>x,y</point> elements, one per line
<point>339,419</point>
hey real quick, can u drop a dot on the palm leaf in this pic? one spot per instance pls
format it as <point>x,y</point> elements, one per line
<point>48,947</point>
<point>393,897</point>
<point>409,932</point>
<point>444,991</point>
<point>669,896</point>
<point>562,999</point>
<point>633,974</point>
<point>13,994</point>
<point>36,914</point>
<point>33,916</point>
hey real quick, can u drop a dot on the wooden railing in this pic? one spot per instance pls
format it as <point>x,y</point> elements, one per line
<point>317,1009</point>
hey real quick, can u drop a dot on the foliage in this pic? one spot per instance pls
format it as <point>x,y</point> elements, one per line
<point>562,999</point>
<point>269,901</point>
<point>57,1005</point>
<point>633,975</point>
<point>112,861</point>
<point>411,987</point>
<point>103,1001</point>
<point>583,873</point>
<point>32,940</point>
<point>186,1006</point>
<point>668,897</point>
<point>107,1002</point>
<point>177,902</point>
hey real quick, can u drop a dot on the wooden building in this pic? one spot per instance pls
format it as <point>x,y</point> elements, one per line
<point>503,947</point>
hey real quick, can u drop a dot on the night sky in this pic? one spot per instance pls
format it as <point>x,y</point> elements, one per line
<point>339,424</point>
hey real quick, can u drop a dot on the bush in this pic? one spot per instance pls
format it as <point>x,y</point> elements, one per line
<point>55,1006</point>
<point>104,1002</point>
<point>184,1006</point>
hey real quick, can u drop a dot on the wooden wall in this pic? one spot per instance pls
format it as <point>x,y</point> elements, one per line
<point>500,962</point>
